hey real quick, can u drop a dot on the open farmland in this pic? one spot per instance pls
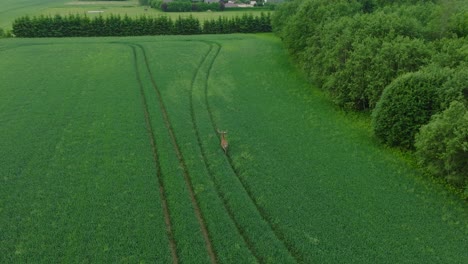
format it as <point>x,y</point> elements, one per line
<point>109,153</point>
<point>12,9</point>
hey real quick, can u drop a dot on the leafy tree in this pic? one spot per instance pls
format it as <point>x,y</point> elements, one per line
<point>450,52</point>
<point>442,145</point>
<point>407,104</point>
<point>372,65</point>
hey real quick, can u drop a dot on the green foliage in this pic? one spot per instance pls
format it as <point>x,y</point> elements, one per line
<point>442,144</point>
<point>243,24</point>
<point>186,6</point>
<point>115,25</point>
<point>456,88</point>
<point>354,49</point>
<point>407,104</point>
<point>355,58</point>
<point>301,19</point>
<point>187,26</point>
<point>368,55</point>
<point>451,52</point>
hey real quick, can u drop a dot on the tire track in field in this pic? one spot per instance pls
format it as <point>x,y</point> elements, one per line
<point>219,193</point>
<point>162,193</point>
<point>278,234</point>
<point>188,182</point>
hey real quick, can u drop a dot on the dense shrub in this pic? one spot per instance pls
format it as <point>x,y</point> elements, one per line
<point>407,104</point>
<point>187,26</point>
<point>371,64</point>
<point>442,145</point>
<point>244,24</point>
<point>351,54</point>
<point>451,52</point>
<point>456,88</point>
<point>306,19</point>
<point>354,49</point>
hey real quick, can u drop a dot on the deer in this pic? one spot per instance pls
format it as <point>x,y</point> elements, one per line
<point>224,143</point>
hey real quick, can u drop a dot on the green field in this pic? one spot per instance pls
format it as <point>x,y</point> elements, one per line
<point>109,153</point>
<point>12,9</point>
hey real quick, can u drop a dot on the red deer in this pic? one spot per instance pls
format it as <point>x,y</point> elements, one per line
<point>224,143</point>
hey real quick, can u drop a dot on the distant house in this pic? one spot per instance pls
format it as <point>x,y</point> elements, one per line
<point>232,4</point>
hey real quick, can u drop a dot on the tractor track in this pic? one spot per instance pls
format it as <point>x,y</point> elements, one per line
<point>294,253</point>
<point>278,234</point>
<point>177,149</point>
<point>162,193</point>
<point>211,173</point>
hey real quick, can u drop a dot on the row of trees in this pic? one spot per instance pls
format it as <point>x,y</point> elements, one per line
<point>83,26</point>
<point>405,61</point>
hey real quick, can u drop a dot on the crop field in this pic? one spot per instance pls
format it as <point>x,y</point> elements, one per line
<point>109,153</point>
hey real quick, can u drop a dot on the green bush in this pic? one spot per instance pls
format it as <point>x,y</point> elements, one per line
<point>456,88</point>
<point>407,104</point>
<point>307,18</point>
<point>451,52</point>
<point>442,145</point>
<point>372,64</point>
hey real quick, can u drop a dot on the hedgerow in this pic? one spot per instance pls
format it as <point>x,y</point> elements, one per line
<point>83,26</point>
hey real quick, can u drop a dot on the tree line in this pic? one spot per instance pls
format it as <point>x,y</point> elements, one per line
<point>115,25</point>
<point>404,61</point>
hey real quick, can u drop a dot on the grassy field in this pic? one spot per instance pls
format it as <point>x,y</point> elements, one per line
<point>109,153</point>
<point>11,9</point>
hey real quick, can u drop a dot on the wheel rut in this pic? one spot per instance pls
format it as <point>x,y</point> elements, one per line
<point>278,234</point>
<point>177,149</point>
<point>217,188</point>
<point>167,218</point>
